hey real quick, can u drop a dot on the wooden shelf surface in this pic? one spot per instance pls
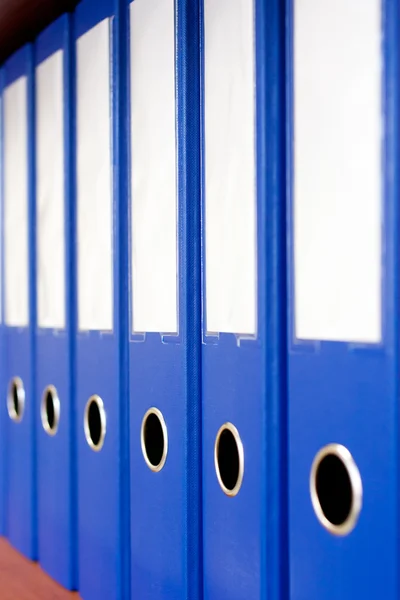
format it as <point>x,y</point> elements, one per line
<point>21,579</point>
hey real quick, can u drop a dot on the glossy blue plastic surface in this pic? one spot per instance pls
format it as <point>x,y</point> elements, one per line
<point>245,540</point>
<point>20,466</point>
<point>348,393</point>
<point>54,366</point>
<point>3,382</point>
<point>164,373</point>
<point>98,372</point>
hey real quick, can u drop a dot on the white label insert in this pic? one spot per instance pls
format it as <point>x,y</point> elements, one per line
<point>338,131</point>
<point>154,211</point>
<point>230,167</point>
<point>16,254</point>
<point>50,201</point>
<point>94,180</point>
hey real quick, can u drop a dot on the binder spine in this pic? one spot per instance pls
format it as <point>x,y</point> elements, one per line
<point>71,297</point>
<point>54,329</point>
<point>271,184</point>
<point>188,148</point>
<point>32,281</point>
<point>343,388</point>
<point>244,362</point>
<point>3,381</point>
<point>21,517</point>
<point>98,347</point>
<point>164,344</point>
<point>122,292</point>
<point>391,110</point>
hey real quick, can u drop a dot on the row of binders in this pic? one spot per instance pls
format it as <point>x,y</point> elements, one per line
<point>200,299</point>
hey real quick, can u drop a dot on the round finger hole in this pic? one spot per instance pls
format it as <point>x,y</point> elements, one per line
<point>95,423</point>
<point>229,459</point>
<point>336,489</point>
<point>154,439</point>
<point>50,410</point>
<point>16,399</point>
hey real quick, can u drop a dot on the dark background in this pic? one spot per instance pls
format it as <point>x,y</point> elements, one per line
<point>22,20</point>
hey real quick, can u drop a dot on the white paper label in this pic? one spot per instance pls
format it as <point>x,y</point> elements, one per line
<point>50,193</point>
<point>338,129</point>
<point>94,180</point>
<point>16,255</point>
<point>153,151</point>
<point>230,171</point>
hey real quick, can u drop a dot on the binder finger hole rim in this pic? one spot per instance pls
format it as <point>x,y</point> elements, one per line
<point>50,410</point>
<point>94,423</point>
<point>157,437</point>
<point>230,434</point>
<point>16,399</point>
<point>334,470</point>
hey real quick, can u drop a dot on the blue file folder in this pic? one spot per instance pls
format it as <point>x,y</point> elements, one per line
<point>243,278</point>
<point>19,301</point>
<point>55,324</point>
<point>164,324</point>
<point>343,132</point>
<point>99,400</point>
<point>3,384</point>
